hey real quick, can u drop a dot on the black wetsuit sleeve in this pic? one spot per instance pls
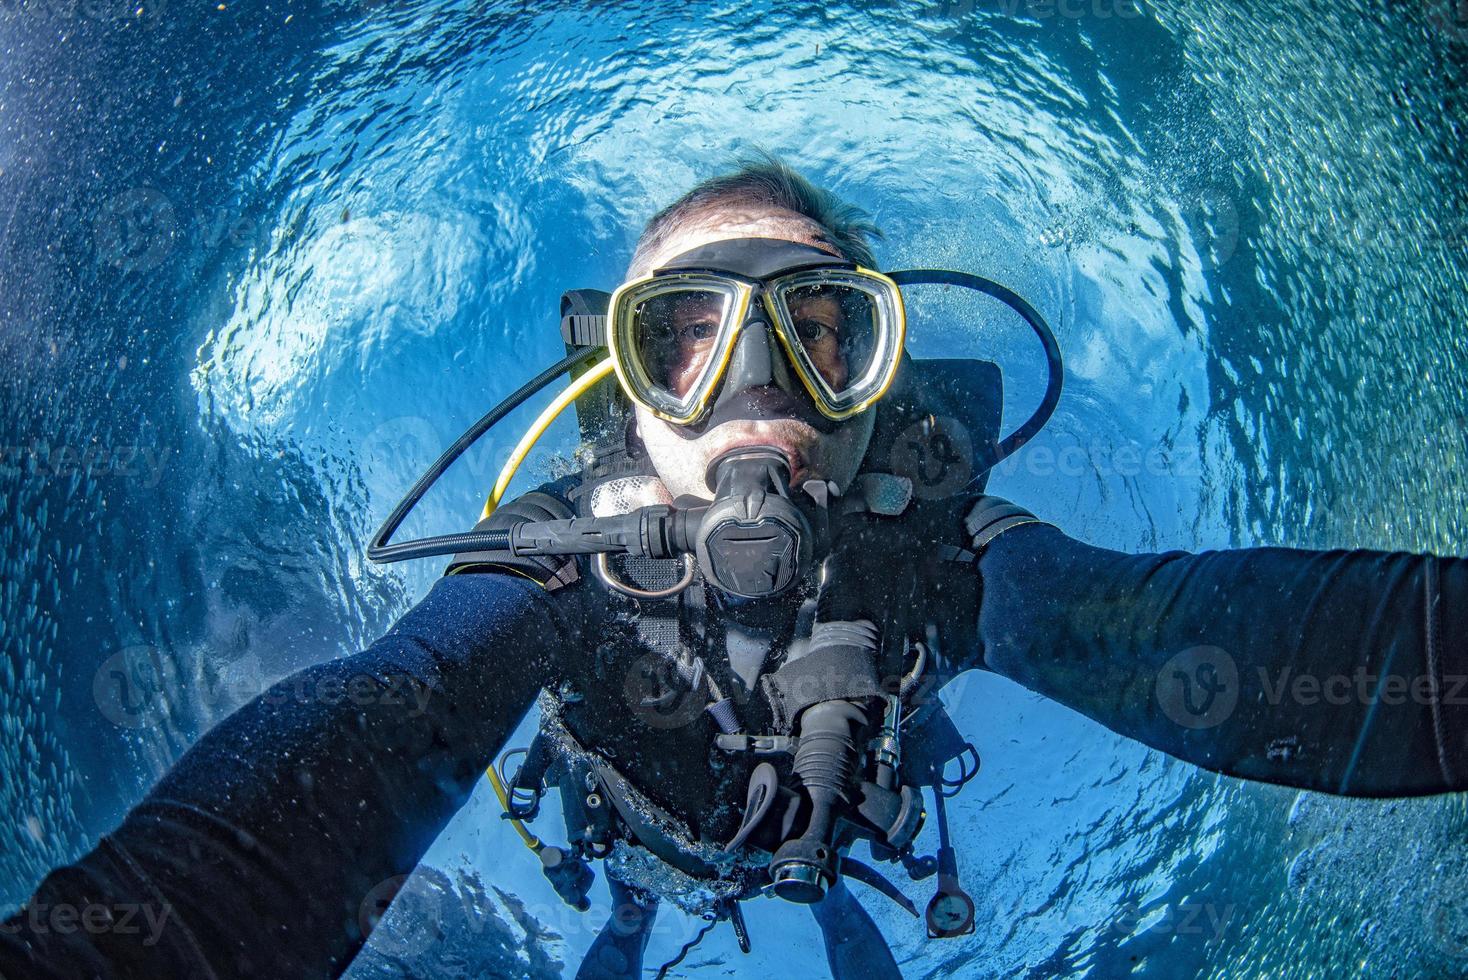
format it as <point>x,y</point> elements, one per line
<point>1340,671</point>
<point>255,854</point>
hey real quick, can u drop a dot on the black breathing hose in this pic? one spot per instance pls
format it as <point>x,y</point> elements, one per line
<point>1054,382</point>
<point>379,550</point>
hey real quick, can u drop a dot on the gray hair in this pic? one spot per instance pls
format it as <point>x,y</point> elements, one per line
<point>762,180</point>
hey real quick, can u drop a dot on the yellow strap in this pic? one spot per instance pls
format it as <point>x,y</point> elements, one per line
<point>531,841</point>
<point>537,428</point>
<point>527,442</point>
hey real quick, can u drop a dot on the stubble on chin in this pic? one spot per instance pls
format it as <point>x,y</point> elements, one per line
<point>682,463</point>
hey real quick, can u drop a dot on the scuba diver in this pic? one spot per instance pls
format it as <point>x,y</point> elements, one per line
<point>735,622</point>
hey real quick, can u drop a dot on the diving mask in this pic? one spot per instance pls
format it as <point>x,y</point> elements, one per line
<point>696,333</point>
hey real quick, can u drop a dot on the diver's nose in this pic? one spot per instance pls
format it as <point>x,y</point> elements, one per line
<point>752,363</point>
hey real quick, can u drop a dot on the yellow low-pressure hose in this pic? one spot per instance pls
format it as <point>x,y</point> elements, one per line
<point>527,442</point>
<point>531,841</point>
<point>537,428</point>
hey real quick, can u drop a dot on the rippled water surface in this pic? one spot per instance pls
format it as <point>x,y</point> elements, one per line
<point>260,263</point>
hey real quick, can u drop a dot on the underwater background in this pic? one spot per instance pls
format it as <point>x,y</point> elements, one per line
<point>261,261</point>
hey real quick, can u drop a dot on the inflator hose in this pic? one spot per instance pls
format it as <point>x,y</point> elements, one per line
<point>379,550</point>
<point>1056,378</point>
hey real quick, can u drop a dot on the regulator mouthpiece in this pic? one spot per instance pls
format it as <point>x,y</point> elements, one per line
<point>754,541</point>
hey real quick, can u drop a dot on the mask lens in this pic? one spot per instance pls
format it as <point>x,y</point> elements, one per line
<point>676,335</point>
<point>837,326</point>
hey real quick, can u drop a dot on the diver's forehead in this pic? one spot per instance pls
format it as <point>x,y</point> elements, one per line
<point>727,225</point>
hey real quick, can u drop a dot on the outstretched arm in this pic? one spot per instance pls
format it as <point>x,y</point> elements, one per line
<point>254,854</point>
<point>1339,671</point>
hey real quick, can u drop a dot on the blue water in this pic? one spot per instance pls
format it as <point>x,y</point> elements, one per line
<point>259,264</point>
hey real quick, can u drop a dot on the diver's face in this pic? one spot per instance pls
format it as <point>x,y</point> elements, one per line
<point>682,462</point>
<point>688,328</point>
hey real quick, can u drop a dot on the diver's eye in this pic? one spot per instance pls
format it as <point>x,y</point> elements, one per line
<point>812,331</point>
<point>698,331</point>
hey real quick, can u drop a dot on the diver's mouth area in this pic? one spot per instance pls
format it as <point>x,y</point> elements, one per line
<point>771,435</point>
<point>767,403</point>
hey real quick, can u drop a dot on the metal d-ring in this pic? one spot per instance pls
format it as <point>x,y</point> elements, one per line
<point>604,572</point>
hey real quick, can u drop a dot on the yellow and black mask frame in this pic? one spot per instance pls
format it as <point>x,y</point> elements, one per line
<point>758,355</point>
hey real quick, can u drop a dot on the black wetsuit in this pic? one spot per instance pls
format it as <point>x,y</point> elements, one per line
<point>260,846</point>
